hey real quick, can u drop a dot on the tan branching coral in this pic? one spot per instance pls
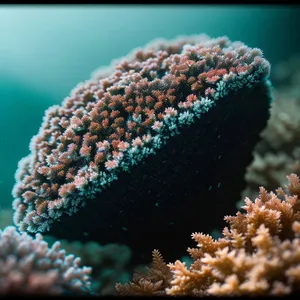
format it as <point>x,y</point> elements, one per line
<point>154,282</point>
<point>259,253</point>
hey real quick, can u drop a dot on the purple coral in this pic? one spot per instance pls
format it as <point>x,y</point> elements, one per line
<point>28,266</point>
<point>108,125</point>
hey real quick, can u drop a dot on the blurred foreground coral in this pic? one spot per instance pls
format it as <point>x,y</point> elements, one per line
<point>110,263</point>
<point>259,254</point>
<point>28,266</point>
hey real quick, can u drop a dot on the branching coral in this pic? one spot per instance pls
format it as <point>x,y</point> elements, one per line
<point>153,282</point>
<point>166,110</point>
<point>28,266</point>
<point>259,253</point>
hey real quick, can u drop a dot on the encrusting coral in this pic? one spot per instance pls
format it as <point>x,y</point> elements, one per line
<point>164,111</point>
<point>28,266</point>
<point>259,254</point>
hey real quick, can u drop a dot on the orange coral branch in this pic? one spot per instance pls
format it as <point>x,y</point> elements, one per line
<point>259,254</point>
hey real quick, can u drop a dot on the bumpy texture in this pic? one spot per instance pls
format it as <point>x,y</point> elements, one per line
<point>110,124</point>
<point>259,254</point>
<point>28,266</point>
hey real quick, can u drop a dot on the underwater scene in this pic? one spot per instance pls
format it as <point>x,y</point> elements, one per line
<point>150,150</point>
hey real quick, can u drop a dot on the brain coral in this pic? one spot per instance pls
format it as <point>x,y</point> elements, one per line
<point>126,147</point>
<point>28,266</point>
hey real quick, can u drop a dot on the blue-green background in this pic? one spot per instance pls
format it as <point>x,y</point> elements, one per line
<point>46,50</point>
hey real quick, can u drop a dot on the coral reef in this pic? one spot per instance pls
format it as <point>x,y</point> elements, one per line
<point>28,266</point>
<point>166,110</point>
<point>110,263</point>
<point>278,152</point>
<point>259,254</point>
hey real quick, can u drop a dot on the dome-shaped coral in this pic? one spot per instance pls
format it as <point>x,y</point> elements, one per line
<point>175,115</point>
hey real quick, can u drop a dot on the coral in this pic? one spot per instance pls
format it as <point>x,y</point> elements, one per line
<point>269,170</point>
<point>166,110</point>
<point>28,266</point>
<point>153,282</point>
<point>283,129</point>
<point>109,263</point>
<point>278,152</point>
<point>259,253</point>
